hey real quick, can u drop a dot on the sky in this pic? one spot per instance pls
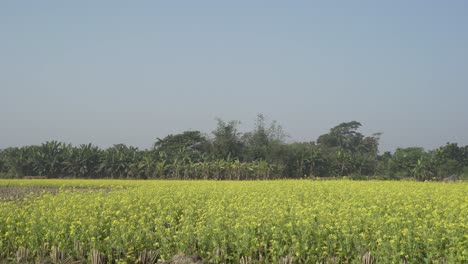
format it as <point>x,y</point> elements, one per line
<point>110,72</point>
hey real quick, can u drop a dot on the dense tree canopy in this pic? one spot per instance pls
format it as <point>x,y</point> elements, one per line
<point>229,154</point>
<point>188,145</point>
<point>227,140</point>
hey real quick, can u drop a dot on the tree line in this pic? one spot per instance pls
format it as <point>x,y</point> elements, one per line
<point>228,154</point>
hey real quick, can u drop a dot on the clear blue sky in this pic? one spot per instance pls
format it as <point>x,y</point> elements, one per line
<point>132,71</point>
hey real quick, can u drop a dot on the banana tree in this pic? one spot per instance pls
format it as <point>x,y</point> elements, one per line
<point>238,169</point>
<point>176,168</point>
<point>18,161</point>
<point>147,166</point>
<point>422,170</point>
<point>49,158</point>
<point>218,167</point>
<point>83,161</point>
<point>204,169</point>
<point>120,161</point>
<point>160,169</point>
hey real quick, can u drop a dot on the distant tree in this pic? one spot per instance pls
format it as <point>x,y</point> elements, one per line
<point>349,151</point>
<point>264,142</point>
<point>83,161</point>
<point>147,166</point>
<point>3,167</point>
<point>449,160</point>
<point>186,145</point>
<point>49,158</point>
<point>259,154</point>
<point>120,161</point>
<point>384,165</point>
<point>412,162</point>
<point>17,161</point>
<point>227,140</point>
<point>304,159</point>
<point>366,159</point>
<point>464,151</point>
<point>343,137</point>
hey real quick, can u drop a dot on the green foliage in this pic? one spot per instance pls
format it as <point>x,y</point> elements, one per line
<point>449,159</point>
<point>227,140</point>
<point>229,154</point>
<point>343,137</point>
<point>19,162</point>
<point>49,158</point>
<point>264,142</point>
<point>349,151</point>
<point>84,161</point>
<point>120,162</point>
<point>187,145</point>
<point>3,166</point>
<point>409,161</point>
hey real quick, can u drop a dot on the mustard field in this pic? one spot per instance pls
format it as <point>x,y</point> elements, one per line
<point>284,221</point>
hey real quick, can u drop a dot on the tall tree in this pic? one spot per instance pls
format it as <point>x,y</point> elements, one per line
<point>411,162</point>
<point>50,157</point>
<point>264,142</point>
<point>449,159</point>
<point>188,144</point>
<point>350,151</point>
<point>120,161</point>
<point>227,140</point>
<point>83,161</point>
<point>343,137</point>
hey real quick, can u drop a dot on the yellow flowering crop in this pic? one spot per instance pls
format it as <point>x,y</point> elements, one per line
<point>308,221</point>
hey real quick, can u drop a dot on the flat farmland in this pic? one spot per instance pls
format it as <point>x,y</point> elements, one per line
<point>287,221</point>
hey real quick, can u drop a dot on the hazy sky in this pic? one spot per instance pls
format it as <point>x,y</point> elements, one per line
<point>132,71</point>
